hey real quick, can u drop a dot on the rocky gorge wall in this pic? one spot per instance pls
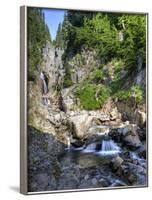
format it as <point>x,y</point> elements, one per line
<point>61,122</point>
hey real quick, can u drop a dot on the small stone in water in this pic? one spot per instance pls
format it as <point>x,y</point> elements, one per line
<point>94,181</point>
<point>86,177</point>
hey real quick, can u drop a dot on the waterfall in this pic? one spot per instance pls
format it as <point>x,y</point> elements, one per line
<point>68,143</point>
<point>109,147</point>
<point>45,88</point>
<point>106,147</point>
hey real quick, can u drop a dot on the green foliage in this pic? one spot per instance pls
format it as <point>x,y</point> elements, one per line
<point>134,43</point>
<point>119,40</point>
<point>100,34</point>
<point>76,18</point>
<point>38,35</point>
<point>138,93</point>
<point>67,79</point>
<point>135,91</point>
<point>93,96</point>
<point>97,76</point>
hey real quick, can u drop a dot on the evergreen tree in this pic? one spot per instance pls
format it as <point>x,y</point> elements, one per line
<point>38,35</point>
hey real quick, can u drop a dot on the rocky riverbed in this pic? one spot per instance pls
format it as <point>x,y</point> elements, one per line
<point>87,161</point>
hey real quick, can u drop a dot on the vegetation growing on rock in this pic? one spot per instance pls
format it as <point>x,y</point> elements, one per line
<point>94,78</point>
<point>38,35</point>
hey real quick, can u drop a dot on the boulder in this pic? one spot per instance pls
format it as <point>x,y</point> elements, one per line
<point>114,114</point>
<point>129,128</point>
<point>98,130</point>
<point>104,182</point>
<point>142,151</point>
<point>68,104</point>
<point>132,140</point>
<point>79,124</point>
<point>116,162</point>
<point>140,118</point>
<point>94,181</point>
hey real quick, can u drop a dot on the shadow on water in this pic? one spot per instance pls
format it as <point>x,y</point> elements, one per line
<point>84,160</point>
<point>91,155</point>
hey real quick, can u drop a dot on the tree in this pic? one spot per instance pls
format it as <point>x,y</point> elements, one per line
<point>134,44</point>
<point>38,35</point>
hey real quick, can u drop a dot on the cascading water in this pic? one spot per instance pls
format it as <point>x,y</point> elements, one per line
<point>45,88</point>
<point>109,147</point>
<point>44,83</point>
<point>106,147</point>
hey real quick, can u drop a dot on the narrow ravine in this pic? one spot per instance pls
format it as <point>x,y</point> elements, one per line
<point>86,118</point>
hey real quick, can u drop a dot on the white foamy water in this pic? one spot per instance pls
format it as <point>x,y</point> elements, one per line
<point>108,147</point>
<point>91,148</point>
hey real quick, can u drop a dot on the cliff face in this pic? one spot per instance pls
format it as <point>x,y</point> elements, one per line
<point>43,108</point>
<point>81,64</point>
<point>83,68</point>
<point>52,65</point>
<point>86,102</point>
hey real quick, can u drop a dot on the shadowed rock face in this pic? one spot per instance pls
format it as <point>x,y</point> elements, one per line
<point>43,166</point>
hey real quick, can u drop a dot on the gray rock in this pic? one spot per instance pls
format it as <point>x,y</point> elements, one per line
<point>116,162</point>
<point>104,182</point>
<point>140,118</point>
<point>132,140</point>
<point>114,114</point>
<point>79,124</point>
<point>94,181</point>
<point>42,179</point>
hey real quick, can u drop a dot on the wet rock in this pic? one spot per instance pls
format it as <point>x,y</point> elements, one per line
<point>116,163</point>
<point>104,182</point>
<point>94,181</point>
<point>133,174</point>
<point>127,135</point>
<point>77,143</point>
<point>142,133</point>
<point>132,178</point>
<point>132,141</point>
<point>86,177</point>
<point>118,183</point>
<point>142,151</point>
<point>129,128</point>
<point>85,184</point>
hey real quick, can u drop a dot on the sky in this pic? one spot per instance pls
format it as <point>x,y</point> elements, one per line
<point>53,18</point>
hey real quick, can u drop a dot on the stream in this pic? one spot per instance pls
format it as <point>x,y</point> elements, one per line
<point>114,164</point>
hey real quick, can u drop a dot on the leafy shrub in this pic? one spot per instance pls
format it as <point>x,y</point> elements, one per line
<point>93,96</point>
<point>138,93</point>
<point>67,79</point>
<point>97,76</point>
<point>135,91</point>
